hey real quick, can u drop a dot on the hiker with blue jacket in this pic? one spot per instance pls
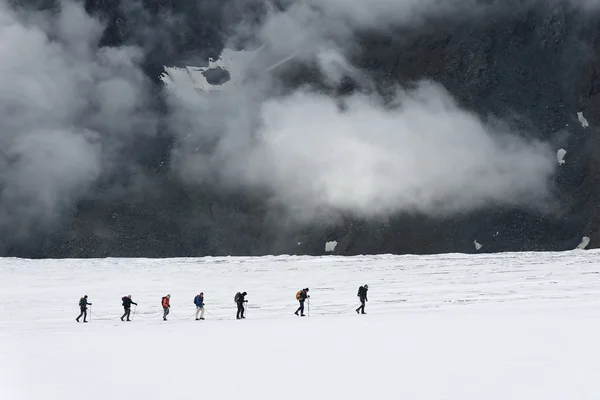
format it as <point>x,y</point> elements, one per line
<point>199,302</point>
<point>127,302</point>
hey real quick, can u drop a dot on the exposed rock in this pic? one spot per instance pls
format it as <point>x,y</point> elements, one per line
<point>536,68</point>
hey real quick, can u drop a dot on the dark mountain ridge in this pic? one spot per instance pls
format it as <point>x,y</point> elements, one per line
<point>533,68</point>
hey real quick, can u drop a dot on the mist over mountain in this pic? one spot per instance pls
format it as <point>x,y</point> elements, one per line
<point>412,126</point>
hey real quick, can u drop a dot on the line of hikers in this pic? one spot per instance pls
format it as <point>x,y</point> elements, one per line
<point>239,299</point>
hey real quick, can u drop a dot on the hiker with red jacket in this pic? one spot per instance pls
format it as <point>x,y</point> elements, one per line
<point>166,304</point>
<point>301,296</point>
<point>127,302</point>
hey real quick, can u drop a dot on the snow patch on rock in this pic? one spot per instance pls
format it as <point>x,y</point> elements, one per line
<point>560,156</point>
<point>478,245</point>
<point>330,246</point>
<point>584,243</point>
<point>234,62</point>
<point>582,119</point>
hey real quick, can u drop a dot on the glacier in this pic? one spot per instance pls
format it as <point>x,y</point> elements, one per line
<point>450,326</point>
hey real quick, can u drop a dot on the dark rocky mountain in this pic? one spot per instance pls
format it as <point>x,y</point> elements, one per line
<point>531,66</point>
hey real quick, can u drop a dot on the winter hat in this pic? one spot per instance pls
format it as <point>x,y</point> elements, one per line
<point>366,286</point>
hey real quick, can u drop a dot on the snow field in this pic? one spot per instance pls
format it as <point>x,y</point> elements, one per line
<point>504,326</point>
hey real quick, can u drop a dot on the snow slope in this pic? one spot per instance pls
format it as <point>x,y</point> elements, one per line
<point>503,326</point>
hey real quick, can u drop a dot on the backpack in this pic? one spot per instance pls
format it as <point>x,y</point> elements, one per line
<point>195,299</point>
<point>299,295</point>
<point>81,302</point>
<point>237,297</point>
<point>123,300</point>
<point>162,301</point>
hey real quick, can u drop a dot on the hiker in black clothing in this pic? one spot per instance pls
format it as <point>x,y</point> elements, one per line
<point>127,302</point>
<point>301,296</point>
<point>83,303</point>
<point>362,294</point>
<point>240,299</point>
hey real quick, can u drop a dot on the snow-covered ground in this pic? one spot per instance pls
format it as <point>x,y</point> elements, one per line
<point>504,326</point>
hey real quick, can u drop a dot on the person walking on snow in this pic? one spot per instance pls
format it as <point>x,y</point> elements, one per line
<point>301,296</point>
<point>166,304</point>
<point>240,299</point>
<point>127,302</point>
<point>362,294</point>
<point>83,303</point>
<point>199,302</point>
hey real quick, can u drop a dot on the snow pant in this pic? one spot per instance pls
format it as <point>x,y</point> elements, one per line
<point>362,306</point>
<point>84,313</point>
<point>301,308</point>
<point>240,311</point>
<point>199,310</point>
<point>165,313</point>
<point>127,313</point>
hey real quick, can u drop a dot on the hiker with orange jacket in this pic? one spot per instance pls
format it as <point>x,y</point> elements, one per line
<point>166,304</point>
<point>301,296</point>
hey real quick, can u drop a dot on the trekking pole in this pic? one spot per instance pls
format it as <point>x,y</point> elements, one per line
<point>90,316</point>
<point>134,308</point>
<point>309,306</point>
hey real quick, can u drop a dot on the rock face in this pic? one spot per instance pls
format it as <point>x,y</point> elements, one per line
<point>536,68</point>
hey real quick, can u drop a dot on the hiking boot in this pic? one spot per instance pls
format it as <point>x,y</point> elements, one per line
<point>302,315</point>
<point>357,311</point>
<point>296,313</point>
<point>121,319</point>
<point>197,319</point>
<point>85,321</point>
<point>77,319</point>
<point>202,318</point>
<point>363,312</point>
<point>128,320</point>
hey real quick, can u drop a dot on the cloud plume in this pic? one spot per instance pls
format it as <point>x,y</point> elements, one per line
<point>71,110</point>
<point>67,108</point>
<point>417,151</point>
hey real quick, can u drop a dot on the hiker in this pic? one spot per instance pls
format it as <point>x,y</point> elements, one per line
<point>166,304</point>
<point>362,294</point>
<point>199,302</point>
<point>240,299</point>
<point>301,296</point>
<point>83,303</point>
<point>127,302</point>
